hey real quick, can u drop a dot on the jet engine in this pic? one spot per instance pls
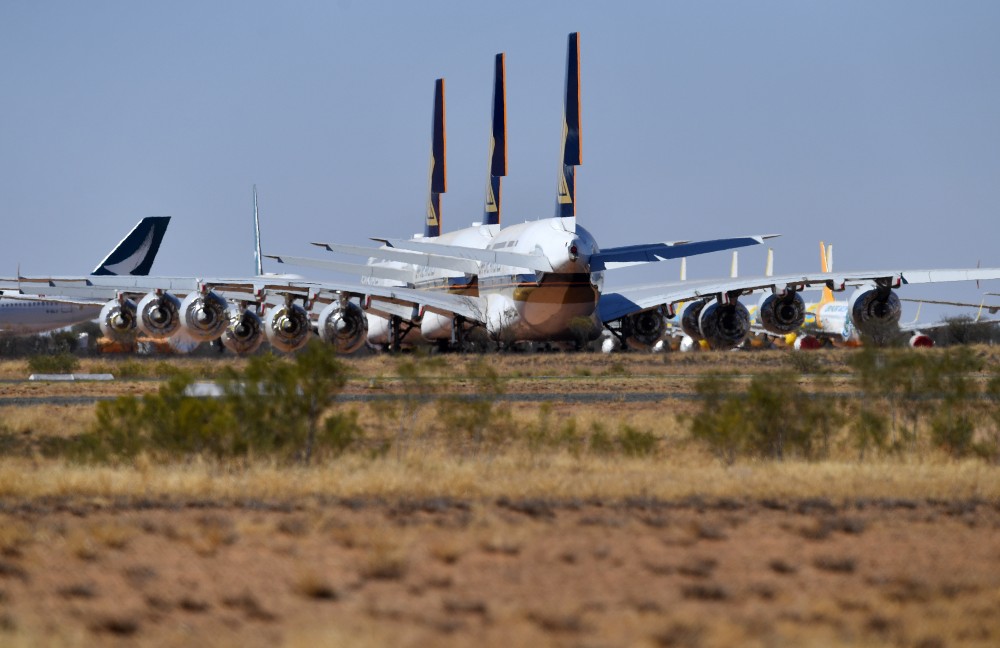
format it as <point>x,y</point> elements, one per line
<point>920,340</point>
<point>244,333</point>
<point>690,318</point>
<point>117,320</point>
<point>159,315</point>
<point>875,312</point>
<point>645,328</point>
<point>781,314</point>
<point>724,326</point>
<point>288,328</point>
<point>204,316</point>
<point>343,325</point>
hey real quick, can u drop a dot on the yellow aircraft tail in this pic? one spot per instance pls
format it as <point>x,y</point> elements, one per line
<point>826,265</point>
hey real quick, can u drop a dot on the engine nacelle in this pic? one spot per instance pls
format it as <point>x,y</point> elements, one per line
<point>781,315</point>
<point>690,318</point>
<point>875,312</point>
<point>920,340</point>
<point>117,320</point>
<point>159,316</point>
<point>345,327</point>
<point>288,328</point>
<point>204,316</point>
<point>724,326</point>
<point>244,333</point>
<point>645,328</point>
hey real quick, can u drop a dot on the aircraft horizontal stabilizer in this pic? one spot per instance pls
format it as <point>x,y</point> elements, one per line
<point>628,255</point>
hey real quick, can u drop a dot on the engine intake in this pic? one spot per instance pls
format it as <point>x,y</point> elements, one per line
<point>690,319</point>
<point>204,316</point>
<point>117,320</point>
<point>288,328</point>
<point>782,315</point>
<point>244,333</point>
<point>645,328</point>
<point>724,326</point>
<point>345,327</point>
<point>875,313</point>
<point>159,315</point>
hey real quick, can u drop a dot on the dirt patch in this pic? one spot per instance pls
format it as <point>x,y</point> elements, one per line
<point>449,571</point>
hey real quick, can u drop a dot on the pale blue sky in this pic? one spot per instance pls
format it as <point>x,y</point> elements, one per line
<point>872,125</point>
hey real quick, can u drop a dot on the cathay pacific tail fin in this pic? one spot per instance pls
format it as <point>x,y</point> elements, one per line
<point>135,253</point>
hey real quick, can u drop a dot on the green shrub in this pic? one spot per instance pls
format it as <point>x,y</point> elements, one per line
<point>274,408</point>
<point>54,363</point>
<point>775,417</point>
<point>600,441</point>
<point>474,417</point>
<point>636,443</point>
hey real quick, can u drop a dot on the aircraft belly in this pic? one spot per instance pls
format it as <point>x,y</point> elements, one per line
<point>547,310</point>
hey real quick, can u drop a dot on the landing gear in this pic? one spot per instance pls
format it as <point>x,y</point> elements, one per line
<point>398,329</point>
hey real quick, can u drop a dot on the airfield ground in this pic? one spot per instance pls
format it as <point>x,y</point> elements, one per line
<point>497,546</point>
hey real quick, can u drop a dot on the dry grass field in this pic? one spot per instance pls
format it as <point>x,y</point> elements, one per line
<point>515,541</point>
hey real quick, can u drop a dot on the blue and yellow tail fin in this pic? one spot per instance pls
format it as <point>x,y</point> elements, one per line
<point>438,175</point>
<point>566,196</point>
<point>498,143</point>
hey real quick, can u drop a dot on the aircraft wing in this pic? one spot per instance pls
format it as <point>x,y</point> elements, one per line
<point>992,308</point>
<point>415,258</point>
<point>614,305</point>
<point>629,255</point>
<point>250,289</point>
<point>536,262</point>
<point>406,275</point>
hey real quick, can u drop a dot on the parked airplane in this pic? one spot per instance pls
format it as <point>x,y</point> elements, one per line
<point>527,296</point>
<point>134,255</point>
<point>828,321</point>
<point>534,280</point>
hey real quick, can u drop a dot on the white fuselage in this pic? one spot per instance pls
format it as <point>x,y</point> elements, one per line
<point>526,305</point>
<point>541,305</point>
<point>433,327</point>
<point>831,318</point>
<point>35,316</point>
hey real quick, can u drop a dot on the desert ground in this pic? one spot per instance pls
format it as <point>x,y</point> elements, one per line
<point>496,544</point>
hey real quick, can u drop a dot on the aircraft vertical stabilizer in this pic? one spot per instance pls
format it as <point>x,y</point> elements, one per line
<point>257,259</point>
<point>438,183</point>
<point>826,265</point>
<point>498,143</point>
<point>135,253</point>
<point>566,197</point>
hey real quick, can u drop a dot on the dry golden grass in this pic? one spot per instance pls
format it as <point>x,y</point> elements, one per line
<point>46,420</point>
<point>516,475</point>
